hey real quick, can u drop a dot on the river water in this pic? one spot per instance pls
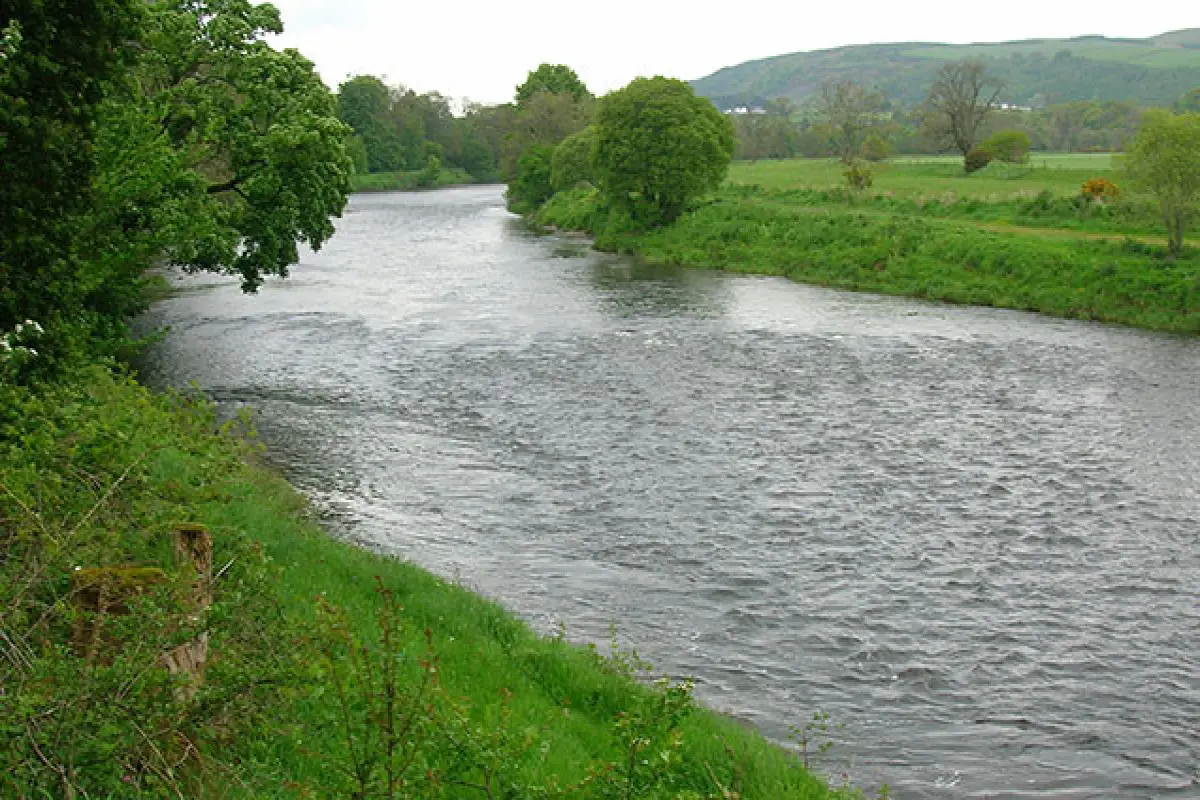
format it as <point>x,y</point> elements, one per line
<point>969,535</point>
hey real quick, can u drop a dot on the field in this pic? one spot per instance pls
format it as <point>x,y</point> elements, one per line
<point>911,176</point>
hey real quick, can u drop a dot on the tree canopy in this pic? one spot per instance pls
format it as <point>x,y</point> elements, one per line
<point>1164,161</point>
<point>135,133</point>
<point>657,146</point>
<point>552,79</point>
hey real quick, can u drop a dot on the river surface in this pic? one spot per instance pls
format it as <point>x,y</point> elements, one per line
<point>969,535</point>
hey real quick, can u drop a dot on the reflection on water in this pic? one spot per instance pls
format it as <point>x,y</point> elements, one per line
<point>970,535</point>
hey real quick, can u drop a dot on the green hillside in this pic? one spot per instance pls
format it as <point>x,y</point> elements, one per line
<point>1155,71</point>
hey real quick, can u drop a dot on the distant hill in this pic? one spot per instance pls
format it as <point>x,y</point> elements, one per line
<point>1155,71</point>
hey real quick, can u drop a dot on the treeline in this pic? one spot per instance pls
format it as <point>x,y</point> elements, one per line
<point>394,129</point>
<point>779,129</point>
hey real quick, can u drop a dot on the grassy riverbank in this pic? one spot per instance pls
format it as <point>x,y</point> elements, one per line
<point>96,472</point>
<point>946,237</point>
<point>405,181</point>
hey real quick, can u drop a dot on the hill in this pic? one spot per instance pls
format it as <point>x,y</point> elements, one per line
<point>1154,71</point>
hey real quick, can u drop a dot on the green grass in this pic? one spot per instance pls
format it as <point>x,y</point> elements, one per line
<point>944,259</point>
<point>406,181</point>
<point>1061,174</point>
<point>98,470</point>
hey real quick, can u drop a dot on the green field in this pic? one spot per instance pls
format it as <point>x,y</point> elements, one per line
<point>932,176</point>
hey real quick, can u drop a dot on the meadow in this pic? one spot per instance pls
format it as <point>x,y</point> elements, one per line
<point>909,176</point>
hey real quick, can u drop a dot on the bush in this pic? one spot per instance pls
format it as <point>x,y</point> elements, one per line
<point>572,162</point>
<point>1100,190</point>
<point>1011,147</point>
<point>877,148</point>
<point>531,186</point>
<point>977,159</point>
<point>858,175</point>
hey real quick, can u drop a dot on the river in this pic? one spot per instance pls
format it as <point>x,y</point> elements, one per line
<point>969,535</point>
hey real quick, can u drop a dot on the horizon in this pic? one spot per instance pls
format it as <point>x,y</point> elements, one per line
<point>489,50</point>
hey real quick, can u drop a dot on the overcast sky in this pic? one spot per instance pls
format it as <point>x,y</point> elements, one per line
<point>481,50</point>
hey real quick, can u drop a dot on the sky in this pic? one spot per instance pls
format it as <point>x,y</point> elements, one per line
<point>482,50</point>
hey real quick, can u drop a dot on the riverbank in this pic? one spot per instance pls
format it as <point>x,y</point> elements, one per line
<point>326,663</point>
<point>896,247</point>
<point>406,181</point>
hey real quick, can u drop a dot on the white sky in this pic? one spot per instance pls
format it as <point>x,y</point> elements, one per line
<point>482,50</point>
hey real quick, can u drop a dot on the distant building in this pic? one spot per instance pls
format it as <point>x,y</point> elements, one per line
<point>743,110</point>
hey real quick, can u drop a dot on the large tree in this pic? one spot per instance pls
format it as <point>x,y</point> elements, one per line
<point>962,96</point>
<point>224,154</point>
<point>657,146</point>
<point>1164,161</point>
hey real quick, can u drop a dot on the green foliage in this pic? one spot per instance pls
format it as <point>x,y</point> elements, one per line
<point>364,103</point>
<point>1164,161</point>
<point>976,159</point>
<point>57,59</point>
<point>572,161</point>
<point>1011,147</point>
<point>552,79</point>
<point>545,120</point>
<point>532,185</point>
<point>410,180</point>
<point>858,175</point>
<point>1189,103</point>
<point>657,147</point>
<point>242,157</point>
<point>876,148</point>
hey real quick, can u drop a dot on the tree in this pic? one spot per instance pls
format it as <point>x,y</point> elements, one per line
<point>1011,147</point>
<point>851,114</point>
<point>552,79</point>
<point>222,153</point>
<point>1164,161</point>
<point>959,101</point>
<point>56,57</point>
<point>572,161</point>
<point>364,103</point>
<point>657,146</point>
<point>546,119</point>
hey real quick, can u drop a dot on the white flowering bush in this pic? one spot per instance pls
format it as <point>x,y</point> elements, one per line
<point>16,348</point>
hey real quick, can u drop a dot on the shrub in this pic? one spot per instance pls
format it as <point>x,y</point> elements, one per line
<point>858,175</point>
<point>877,148</point>
<point>531,186</point>
<point>977,159</point>
<point>572,164</point>
<point>1011,147</point>
<point>1100,190</point>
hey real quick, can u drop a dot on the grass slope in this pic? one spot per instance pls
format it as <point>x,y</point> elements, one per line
<point>97,471</point>
<point>1155,71</point>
